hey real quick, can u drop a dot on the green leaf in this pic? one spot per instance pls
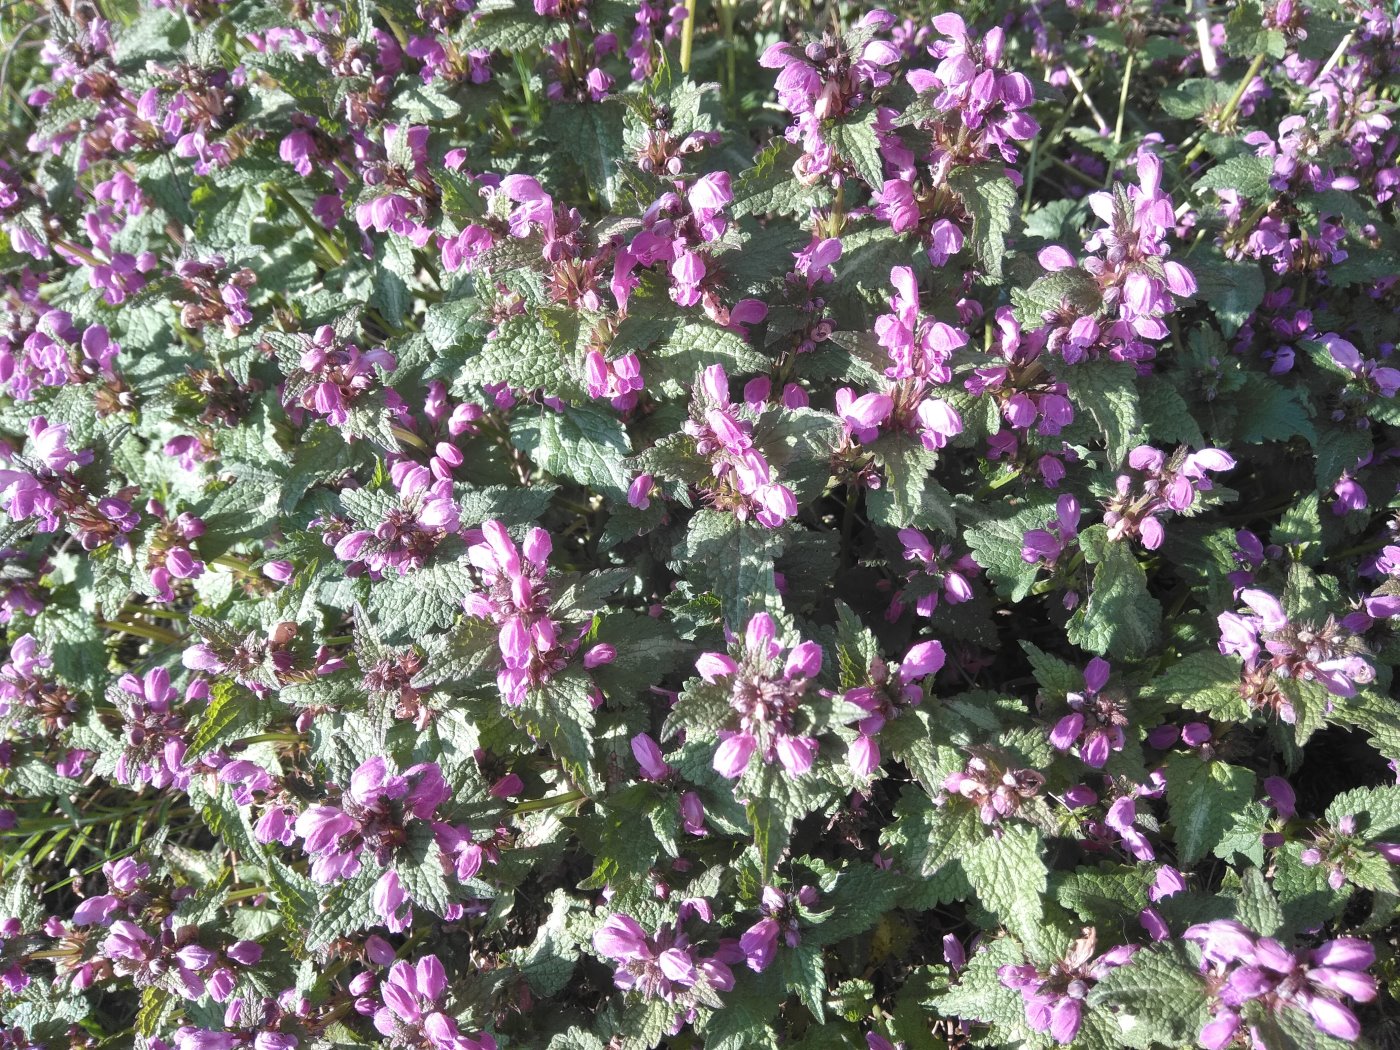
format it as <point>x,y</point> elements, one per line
<point>776,801</point>
<point>510,26</point>
<point>232,711</point>
<point>770,187</point>
<point>734,560</point>
<point>744,1023</point>
<point>694,345</point>
<point>1257,907</point>
<point>990,199</point>
<point>346,909</point>
<point>909,496</point>
<point>804,975</point>
<point>1195,97</point>
<point>1204,681</point>
<point>798,443</point>
<point>576,1038</point>
<point>411,606</point>
<point>589,137</point>
<point>1338,453</point>
<point>647,650</point>
<point>1158,998</point>
<point>701,707</point>
<point>1300,529</point>
<point>1374,712</point>
<point>1167,416</point>
<point>1376,811</point>
<point>584,443</point>
<point>528,355</point>
<point>1105,898</point>
<point>862,894</point>
<point>622,842</point>
<point>1311,703</point>
<point>1231,290</point>
<point>1246,838</point>
<point>1303,891</point>
<point>1073,288</point>
<point>980,997</point>
<point>559,715</point>
<point>548,963</point>
<point>1120,619</point>
<point>1205,800</point>
<point>996,545</point>
<point>1057,677</point>
<point>1247,35</point>
<point>1247,174</point>
<point>926,837</point>
<point>419,867</point>
<point>425,104</point>
<point>1107,390</point>
<point>855,142</point>
<point>1008,875</point>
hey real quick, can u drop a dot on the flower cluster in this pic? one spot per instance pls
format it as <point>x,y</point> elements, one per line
<point>766,692</point>
<point>625,523</point>
<point>1250,970</point>
<point>1055,997</point>
<point>663,966</point>
<point>1096,718</point>
<point>724,435</point>
<point>1161,484</point>
<point>1135,284</point>
<point>515,598</point>
<point>1274,647</point>
<point>372,816</point>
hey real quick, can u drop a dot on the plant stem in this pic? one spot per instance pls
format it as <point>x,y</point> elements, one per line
<point>1070,169</point>
<point>142,630</point>
<point>246,892</point>
<point>1088,101</point>
<point>75,250</point>
<point>1231,106</point>
<point>1030,176</point>
<point>1210,62</point>
<point>149,610</point>
<point>688,35</point>
<point>1122,112</point>
<point>1361,548</point>
<point>550,802</point>
<point>998,483</point>
<point>727,10</point>
<point>317,231</point>
<point>523,72</point>
<point>271,738</point>
<point>408,437</point>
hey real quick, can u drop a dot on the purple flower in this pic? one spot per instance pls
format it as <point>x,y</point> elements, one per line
<point>660,966</point>
<point>1247,969</point>
<point>760,943</point>
<point>649,758</point>
<point>890,691</point>
<point>1282,797</point>
<point>516,598</point>
<point>413,996</point>
<point>1055,998</point>
<point>765,693</point>
<point>1273,646</point>
<point>392,903</point>
<point>996,790</point>
<point>1096,718</point>
<point>722,431</point>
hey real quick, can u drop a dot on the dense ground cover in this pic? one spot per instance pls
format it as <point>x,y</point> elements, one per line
<point>591,525</point>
